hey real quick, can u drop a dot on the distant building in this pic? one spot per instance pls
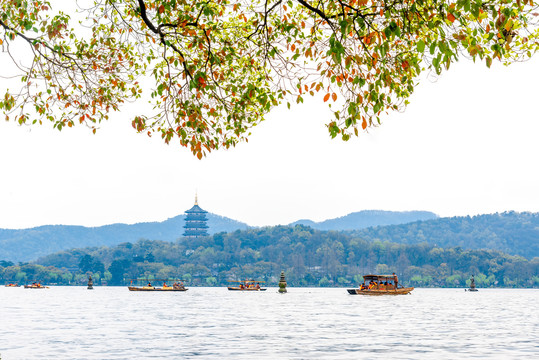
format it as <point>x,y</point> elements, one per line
<point>195,222</point>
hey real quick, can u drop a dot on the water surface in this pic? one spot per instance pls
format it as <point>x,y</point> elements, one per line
<point>306,323</point>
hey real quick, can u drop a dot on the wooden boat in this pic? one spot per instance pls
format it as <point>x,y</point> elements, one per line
<point>153,288</point>
<point>35,286</point>
<point>380,285</point>
<point>176,286</point>
<point>247,285</point>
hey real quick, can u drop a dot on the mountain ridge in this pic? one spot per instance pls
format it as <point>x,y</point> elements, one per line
<point>29,244</point>
<point>368,218</point>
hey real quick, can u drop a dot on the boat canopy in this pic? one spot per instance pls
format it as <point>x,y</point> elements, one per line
<point>379,277</point>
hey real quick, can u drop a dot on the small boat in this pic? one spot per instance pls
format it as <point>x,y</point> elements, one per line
<point>380,285</point>
<point>35,285</point>
<point>176,286</point>
<point>247,285</point>
<point>12,285</point>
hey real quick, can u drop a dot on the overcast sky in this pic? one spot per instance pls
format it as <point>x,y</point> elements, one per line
<point>466,145</point>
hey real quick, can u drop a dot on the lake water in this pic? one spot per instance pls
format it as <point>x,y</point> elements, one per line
<point>306,323</point>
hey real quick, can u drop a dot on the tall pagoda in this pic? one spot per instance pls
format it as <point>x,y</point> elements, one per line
<point>195,222</point>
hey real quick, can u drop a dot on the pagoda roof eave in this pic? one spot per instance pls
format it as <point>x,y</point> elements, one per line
<point>196,209</point>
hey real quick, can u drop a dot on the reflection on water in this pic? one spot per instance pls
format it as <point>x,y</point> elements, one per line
<point>305,323</point>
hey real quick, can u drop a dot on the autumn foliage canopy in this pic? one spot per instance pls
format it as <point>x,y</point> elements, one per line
<point>216,68</point>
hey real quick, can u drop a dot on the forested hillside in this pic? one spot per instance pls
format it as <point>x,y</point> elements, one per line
<point>511,232</point>
<point>309,258</point>
<point>29,244</point>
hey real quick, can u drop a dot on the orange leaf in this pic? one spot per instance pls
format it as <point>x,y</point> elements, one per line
<point>326,98</point>
<point>364,124</point>
<point>451,17</point>
<point>334,96</point>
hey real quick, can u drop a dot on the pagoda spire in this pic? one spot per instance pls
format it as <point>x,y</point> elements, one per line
<point>196,198</point>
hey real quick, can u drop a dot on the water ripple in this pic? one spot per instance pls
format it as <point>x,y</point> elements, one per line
<point>213,323</point>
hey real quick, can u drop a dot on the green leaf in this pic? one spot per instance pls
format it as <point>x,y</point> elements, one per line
<point>432,48</point>
<point>420,46</point>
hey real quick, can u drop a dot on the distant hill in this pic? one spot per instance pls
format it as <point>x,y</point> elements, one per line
<point>29,244</point>
<point>368,218</point>
<point>511,232</point>
<point>308,257</point>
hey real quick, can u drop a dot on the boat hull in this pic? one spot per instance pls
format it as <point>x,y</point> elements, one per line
<point>374,292</point>
<point>145,288</point>
<point>240,289</point>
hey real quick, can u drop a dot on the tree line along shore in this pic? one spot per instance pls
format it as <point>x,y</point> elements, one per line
<point>309,257</point>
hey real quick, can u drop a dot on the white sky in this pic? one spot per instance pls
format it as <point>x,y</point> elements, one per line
<point>467,144</point>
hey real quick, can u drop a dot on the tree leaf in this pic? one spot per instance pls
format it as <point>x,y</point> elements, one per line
<point>420,46</point>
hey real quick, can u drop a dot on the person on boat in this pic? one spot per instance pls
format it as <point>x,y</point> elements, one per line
<point>149,284</point>
<point>164,284</point>
<point>258,286</point>
<point>396,279</point>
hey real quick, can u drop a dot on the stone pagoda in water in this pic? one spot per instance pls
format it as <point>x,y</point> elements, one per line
<point>195,222</point>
